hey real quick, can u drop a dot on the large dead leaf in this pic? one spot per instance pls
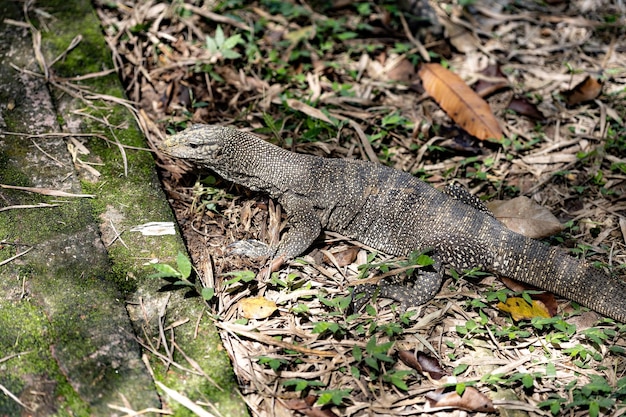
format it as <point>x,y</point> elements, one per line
<point>461,103</point>
<point>521,310</point>
<point>471,400</point>
<point>423,363</point>
<point>586,90</point>
<point>547,298</point>
<point>256,308</point>
<point>522,106</point>
<point>306,407</point>
<point>494,80</point>
<point>524,216</point>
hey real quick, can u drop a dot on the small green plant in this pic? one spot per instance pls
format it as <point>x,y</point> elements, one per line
<point>274,363</point>
<point>222,47</point>
<point>183,272</point>
<point>596,396</point>
<point>322,327</point>
<point>181,275</point>
<point>300,384</point>
<point>471,328</point>
<point>239,277</point>
<point>335,396</point>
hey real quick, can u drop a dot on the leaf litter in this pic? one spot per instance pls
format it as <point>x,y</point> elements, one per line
<point>349,90</point>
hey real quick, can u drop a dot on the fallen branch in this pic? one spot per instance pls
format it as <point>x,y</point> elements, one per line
<point>47,191</point>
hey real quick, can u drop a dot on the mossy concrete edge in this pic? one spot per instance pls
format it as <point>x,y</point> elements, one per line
<point>139,199</point>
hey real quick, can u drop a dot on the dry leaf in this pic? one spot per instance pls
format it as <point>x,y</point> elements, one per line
<point>547,298</point>
<point>305,406</point>
<point>304,33</point>
<point>390,68</point>
<point>524,216</point>
<point>308,110</point>
<point>494,80</point>
<point>344,257</point>
<point>256,307</point>
<point>461,103</point>
<point>471,400</point>
<point>586,90</point>
<point>423,363</point>
<point>403,71</point>
<point>520,309</point>
<point>522,106</point>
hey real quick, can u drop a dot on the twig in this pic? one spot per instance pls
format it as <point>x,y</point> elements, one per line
<point>184,401</point>
<point>77,135</point>
<point>422,50</point>
<point>13,397</point>
<point>47,191</point>
<point>59,163</point>
<point>28,206</point>
<point>6,261</point>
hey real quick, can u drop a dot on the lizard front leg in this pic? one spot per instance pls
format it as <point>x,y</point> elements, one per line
<point>304,227</point>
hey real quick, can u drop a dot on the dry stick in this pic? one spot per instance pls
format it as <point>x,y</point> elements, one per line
<point>133,413</point>
<point>216,17</point>
<point>6,261</point>
<point>14,355</point>
<point>422,50</point>
<point>184,401</point>
<point>271,341</point>
<point>13,397</point>
<point>28,206</point>
<point>78,135</point>
<point>47,191</point>
<point>59,163</point>
<point>197,366</point>
<point>548,178</point>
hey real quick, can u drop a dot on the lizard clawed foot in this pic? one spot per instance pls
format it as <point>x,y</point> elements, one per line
<point>250,248</point>
<point>256,249</point>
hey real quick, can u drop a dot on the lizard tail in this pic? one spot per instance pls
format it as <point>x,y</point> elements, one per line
<point>553,270</point>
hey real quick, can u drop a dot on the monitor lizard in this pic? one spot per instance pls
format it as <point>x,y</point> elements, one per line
<point>393,212</point>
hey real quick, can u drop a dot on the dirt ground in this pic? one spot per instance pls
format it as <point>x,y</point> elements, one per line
<point>340,79</point>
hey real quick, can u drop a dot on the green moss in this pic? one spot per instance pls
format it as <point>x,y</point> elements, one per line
<point>127,201</point>
<point>121,272</point>
<point>207,346</point>
<point>9,173</point>
<point>67,218</point>
<point>32,338</point>
<point>8,407</point>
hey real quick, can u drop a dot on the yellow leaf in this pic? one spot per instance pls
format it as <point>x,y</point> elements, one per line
<point>461,103</point>
<point>520,309</point>
<point>256,308</point>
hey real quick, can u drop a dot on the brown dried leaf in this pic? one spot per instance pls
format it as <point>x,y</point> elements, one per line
<point>471,400</point>
<point>461,103</point>
<point>520,309</point>
<point>494,80</point>
<point>256,308</point>
<point>344,257</point>
<point>547,298</point>
<point>586,90</point>
<point>522,106</point>
<point>403,71</point>
<point>524,216</point>
<point>308,110</point>
<point>423,363</point>
<point>305,406</point>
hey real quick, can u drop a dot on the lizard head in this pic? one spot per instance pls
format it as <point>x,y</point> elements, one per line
<point>199,143</point>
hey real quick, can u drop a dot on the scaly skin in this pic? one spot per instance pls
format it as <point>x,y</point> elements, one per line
<point>395,213</point>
